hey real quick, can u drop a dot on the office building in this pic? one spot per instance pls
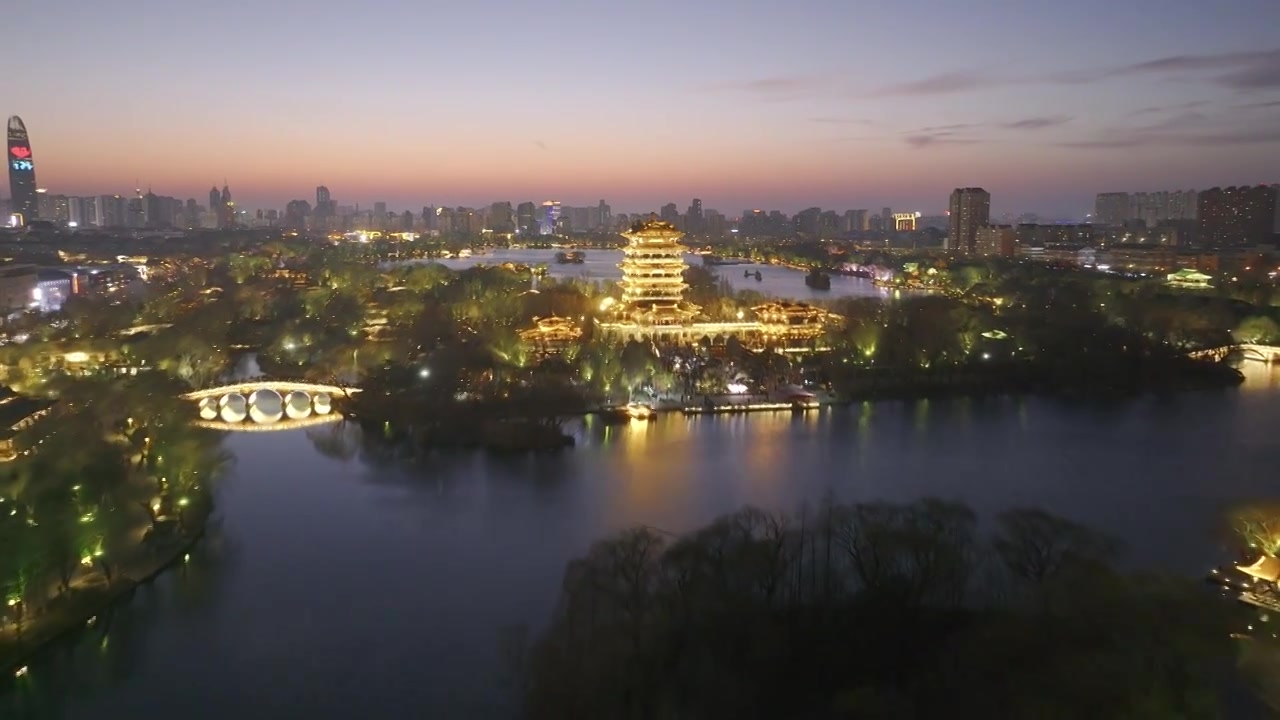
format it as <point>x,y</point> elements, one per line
<point>970,209</point>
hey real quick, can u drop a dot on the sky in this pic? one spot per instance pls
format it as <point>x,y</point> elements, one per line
<point>743,103</point>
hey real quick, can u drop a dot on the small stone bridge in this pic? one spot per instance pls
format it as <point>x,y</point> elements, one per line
<point>1250,351</point>
<point>263,404</point>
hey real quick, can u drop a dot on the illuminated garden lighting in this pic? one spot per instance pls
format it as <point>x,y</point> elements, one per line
<point>424,373</point>
<point>20,672</point>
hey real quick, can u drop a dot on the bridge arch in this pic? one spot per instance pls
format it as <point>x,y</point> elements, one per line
<point>266,403</point>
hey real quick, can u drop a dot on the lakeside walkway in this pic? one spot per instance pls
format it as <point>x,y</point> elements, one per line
<point>89,596</point>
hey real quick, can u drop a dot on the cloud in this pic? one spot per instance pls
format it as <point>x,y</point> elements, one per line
<point>1152,137</point>
<point>1260,105</point>
<point>1169,108</point>
<point>1252,70</point>
<point>943,84</point>
<point>919,141</point>
<point>540,145</point>
<point>778,87</point>
<point>1037,123</point>
<point>947,129</point>
<point>837,120</point>
<point>1244,70</point>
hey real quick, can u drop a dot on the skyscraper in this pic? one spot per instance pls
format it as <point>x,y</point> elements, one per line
<point>322,197</point>
<point>550,216</point>
<point>228,208</point>
<point>526,219</point>
<point>693,217</point>
<point>606,214</point>
<point>215,205</point>
<point>970,210</point>
<point>22,172</point>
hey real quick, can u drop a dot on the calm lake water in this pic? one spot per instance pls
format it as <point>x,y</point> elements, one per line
<point>602,266</point>
<point>332,587</point>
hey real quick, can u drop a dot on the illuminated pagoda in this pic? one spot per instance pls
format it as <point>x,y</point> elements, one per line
<point>653,275</point>
<point>653,308</point>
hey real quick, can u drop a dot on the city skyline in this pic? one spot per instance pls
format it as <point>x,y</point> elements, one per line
<point>759,107</point>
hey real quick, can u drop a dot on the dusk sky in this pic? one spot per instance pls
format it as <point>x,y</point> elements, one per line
<point>836,103</point>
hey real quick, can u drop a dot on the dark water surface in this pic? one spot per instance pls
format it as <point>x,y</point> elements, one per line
<point>335,588</point>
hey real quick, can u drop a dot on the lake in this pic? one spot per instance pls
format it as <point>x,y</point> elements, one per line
<point>334,586</point>
<point>602,266</point>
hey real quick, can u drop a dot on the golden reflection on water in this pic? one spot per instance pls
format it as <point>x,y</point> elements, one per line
<point>1259,376</point>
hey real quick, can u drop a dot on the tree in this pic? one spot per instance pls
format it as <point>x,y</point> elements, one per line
<point>1257,527</point>
<point>1258,329</point>
<point>1035,546</point>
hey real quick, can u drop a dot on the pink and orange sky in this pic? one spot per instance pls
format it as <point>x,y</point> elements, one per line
<point>745,104</point>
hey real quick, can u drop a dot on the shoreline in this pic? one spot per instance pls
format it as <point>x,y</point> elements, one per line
<point>77,615</point>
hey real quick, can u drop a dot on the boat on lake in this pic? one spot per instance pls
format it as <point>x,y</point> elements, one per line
<point>818,280</point>
<point>573,257</point>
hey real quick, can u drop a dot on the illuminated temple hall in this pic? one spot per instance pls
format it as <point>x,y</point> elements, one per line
<point>653,308</point>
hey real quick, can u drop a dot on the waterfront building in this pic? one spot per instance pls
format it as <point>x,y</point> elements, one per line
<point>551,335</point>
<point>653,275</point>
<point>22,172</point>
<point>793,325</point>
<point>653,309</point>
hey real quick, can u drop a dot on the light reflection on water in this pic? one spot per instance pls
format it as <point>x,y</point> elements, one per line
<point>339,584</point>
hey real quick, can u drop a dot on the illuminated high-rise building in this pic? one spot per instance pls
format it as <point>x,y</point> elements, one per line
<point>550,216</point>
<point>22,172</point>
<point>970,209</point>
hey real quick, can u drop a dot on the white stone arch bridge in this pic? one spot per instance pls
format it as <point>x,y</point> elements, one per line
<point>267,404</point>
<point>1249,351</point>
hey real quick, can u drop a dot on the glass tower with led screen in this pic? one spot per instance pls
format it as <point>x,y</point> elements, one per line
<point>22,171</point>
